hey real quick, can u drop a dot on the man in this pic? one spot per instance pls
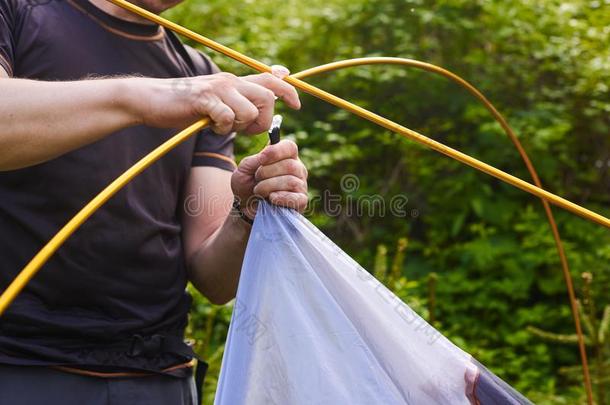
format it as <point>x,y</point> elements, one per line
<point>86,90</point>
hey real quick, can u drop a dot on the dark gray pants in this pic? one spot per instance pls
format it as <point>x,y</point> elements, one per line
<point>26,385</point>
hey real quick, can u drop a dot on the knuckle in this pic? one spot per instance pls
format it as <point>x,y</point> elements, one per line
<point>293,148</point>
<point>294,183</point>
<point>202,89</point>
<point>224,81</point>
<point>226,117</point>
<point>251,114</point>
<point>293,166</point>
<point>261,189</point>
<point>226,75</point>
<point>270,153</point>
<point>267,76</point>
<point>201,106</point>
<point>268,96</point>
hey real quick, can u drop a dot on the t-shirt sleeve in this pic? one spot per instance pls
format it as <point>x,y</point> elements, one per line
<point>214,150</point>
<point>211,149</point>
<point>7,40</point>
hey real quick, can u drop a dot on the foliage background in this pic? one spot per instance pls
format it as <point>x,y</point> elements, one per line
<point>545,64</point>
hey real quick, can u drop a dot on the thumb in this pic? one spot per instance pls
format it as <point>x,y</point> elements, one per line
<point>250,164</point>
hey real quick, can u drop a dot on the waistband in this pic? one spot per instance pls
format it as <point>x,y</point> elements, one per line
<point>174,371</point>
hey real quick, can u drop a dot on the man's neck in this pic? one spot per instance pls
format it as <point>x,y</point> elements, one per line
<point>119,12</point>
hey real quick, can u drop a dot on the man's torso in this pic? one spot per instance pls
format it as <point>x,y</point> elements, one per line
<point>123,271</point>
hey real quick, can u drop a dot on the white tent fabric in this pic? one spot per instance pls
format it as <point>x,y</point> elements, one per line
<point>310,326</point>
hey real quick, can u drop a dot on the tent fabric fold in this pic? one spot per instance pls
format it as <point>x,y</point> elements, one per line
<point>311,326</point>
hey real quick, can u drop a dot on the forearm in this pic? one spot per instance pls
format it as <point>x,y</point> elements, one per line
<point>42,120</point>
<point>215,267</point>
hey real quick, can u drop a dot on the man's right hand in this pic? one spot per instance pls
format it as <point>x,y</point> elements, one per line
<point>46,119</point>
<point>242,104</point>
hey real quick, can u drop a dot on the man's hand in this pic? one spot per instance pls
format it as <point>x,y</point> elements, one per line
<point>45,120</point>
<point>275,173</point>
<point>243,104</point>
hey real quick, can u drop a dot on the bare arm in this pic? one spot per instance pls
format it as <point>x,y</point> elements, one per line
<point>42,120</point>
<point>214,240</point>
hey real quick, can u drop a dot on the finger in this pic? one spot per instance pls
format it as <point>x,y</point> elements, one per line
<point>244,111</point>
<point>279,87</point>
<point>280,71</point>
<point>297,201</point>
<point>281,183</point>
<point>285,149</point>
<point>222,115</point>
<point>264,100</point>
<point>292,167</point>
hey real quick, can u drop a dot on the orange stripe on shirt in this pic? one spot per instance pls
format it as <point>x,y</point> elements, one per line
<point>216,156</point>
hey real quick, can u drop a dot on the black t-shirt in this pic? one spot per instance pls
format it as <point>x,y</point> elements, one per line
<point>123,272</point>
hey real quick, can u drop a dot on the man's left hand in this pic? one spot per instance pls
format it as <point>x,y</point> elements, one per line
<point>275,173</point>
